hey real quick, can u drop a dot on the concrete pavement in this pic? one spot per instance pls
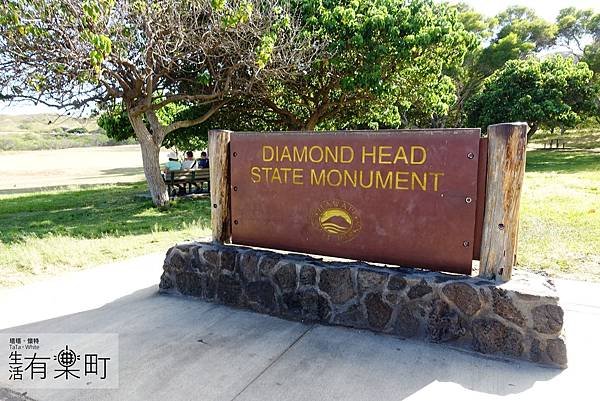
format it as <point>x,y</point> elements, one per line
<point>175,348</point>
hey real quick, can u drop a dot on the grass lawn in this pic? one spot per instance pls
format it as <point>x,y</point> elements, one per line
<point>560,214</point>
<point>45,233</point>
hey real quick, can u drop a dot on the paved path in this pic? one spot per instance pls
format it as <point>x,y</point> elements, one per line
<point>176,348</point>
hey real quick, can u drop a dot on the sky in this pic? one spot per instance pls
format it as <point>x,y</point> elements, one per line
<point>547,9</point>
<point>24,108</point>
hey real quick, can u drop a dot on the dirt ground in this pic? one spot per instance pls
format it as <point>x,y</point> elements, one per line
<point>26,171</point>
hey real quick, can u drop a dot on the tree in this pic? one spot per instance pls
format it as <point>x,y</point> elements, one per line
<point>146,54</point>
<point>575,26</point>
<point>381,61</point>
<point>591,56</point>
<point>467,77</point>
<point>513,34</point>
<point>236,115</point>
<point>552,92</point>
<point>579,30</point>
<point>526,26</point>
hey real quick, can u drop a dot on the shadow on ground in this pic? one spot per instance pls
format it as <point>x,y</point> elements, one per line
<point>111,175</point>
<point>92,213</point>
<point>562,161</point>
<point>178,348</point>
<point>45,189</point>
<point>122,171</point>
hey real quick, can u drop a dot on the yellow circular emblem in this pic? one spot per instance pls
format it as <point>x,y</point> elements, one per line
<point>337,219</point>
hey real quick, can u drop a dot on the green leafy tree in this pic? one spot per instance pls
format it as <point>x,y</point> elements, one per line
<point>591,56</point>
<point>552,92</point>
<point>526,25</point>
<point>513,34</point>
<point>579,30</point>
<point>381,65</point>
<point>146,55</point>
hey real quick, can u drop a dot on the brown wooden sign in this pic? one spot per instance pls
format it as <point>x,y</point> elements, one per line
<point>405,197</point>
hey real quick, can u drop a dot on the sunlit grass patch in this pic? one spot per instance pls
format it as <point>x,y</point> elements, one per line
<point>560,214</point>
<point>45,233</point>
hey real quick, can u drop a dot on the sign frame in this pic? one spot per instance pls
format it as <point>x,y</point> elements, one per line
<point>450,149</point>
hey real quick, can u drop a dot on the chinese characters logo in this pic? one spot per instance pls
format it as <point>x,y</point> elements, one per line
<point>48,361</point>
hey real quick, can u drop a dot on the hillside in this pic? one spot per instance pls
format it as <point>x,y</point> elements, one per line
<point>50,131</point>
<point>45,123</point>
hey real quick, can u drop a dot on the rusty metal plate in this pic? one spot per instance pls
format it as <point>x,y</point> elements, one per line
<point>404,197</point>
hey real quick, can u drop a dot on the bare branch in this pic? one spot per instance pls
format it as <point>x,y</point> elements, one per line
<point>190,123</point>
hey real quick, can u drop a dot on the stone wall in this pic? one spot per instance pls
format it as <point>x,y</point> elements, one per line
<point>519,319</point>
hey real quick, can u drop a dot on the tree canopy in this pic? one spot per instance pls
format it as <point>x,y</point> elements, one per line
<point>382,63</point>
<point>575,26</point>
<point>382,60</point>
<point>552,92</point>
<point>147,55</point>
<point>513,34</point>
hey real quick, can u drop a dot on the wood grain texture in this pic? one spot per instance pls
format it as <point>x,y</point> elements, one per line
<point>506,167</point>
<point>220,196</point>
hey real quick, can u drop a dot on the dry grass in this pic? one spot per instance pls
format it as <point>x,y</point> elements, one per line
<point>44,123</point>
<point>50,131</point>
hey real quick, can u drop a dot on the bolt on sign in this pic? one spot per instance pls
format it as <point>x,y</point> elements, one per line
<point>403,197</point>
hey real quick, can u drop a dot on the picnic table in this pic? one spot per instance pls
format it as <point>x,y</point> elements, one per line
<point>186,182</point>
<point>554,143</point>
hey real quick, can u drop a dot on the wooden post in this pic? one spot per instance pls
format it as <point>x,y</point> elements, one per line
<point>220,217</point>
<point>506,167</point>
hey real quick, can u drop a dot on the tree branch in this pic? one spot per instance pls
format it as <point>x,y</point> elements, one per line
<point>288,115</point>
<point>190,123</point>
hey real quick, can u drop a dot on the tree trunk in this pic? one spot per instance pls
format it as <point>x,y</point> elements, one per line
<point>311,123</point>
<point>404,119</point>
<point>150,159</point>
<point>532,129</point>
<point>309,126</point>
